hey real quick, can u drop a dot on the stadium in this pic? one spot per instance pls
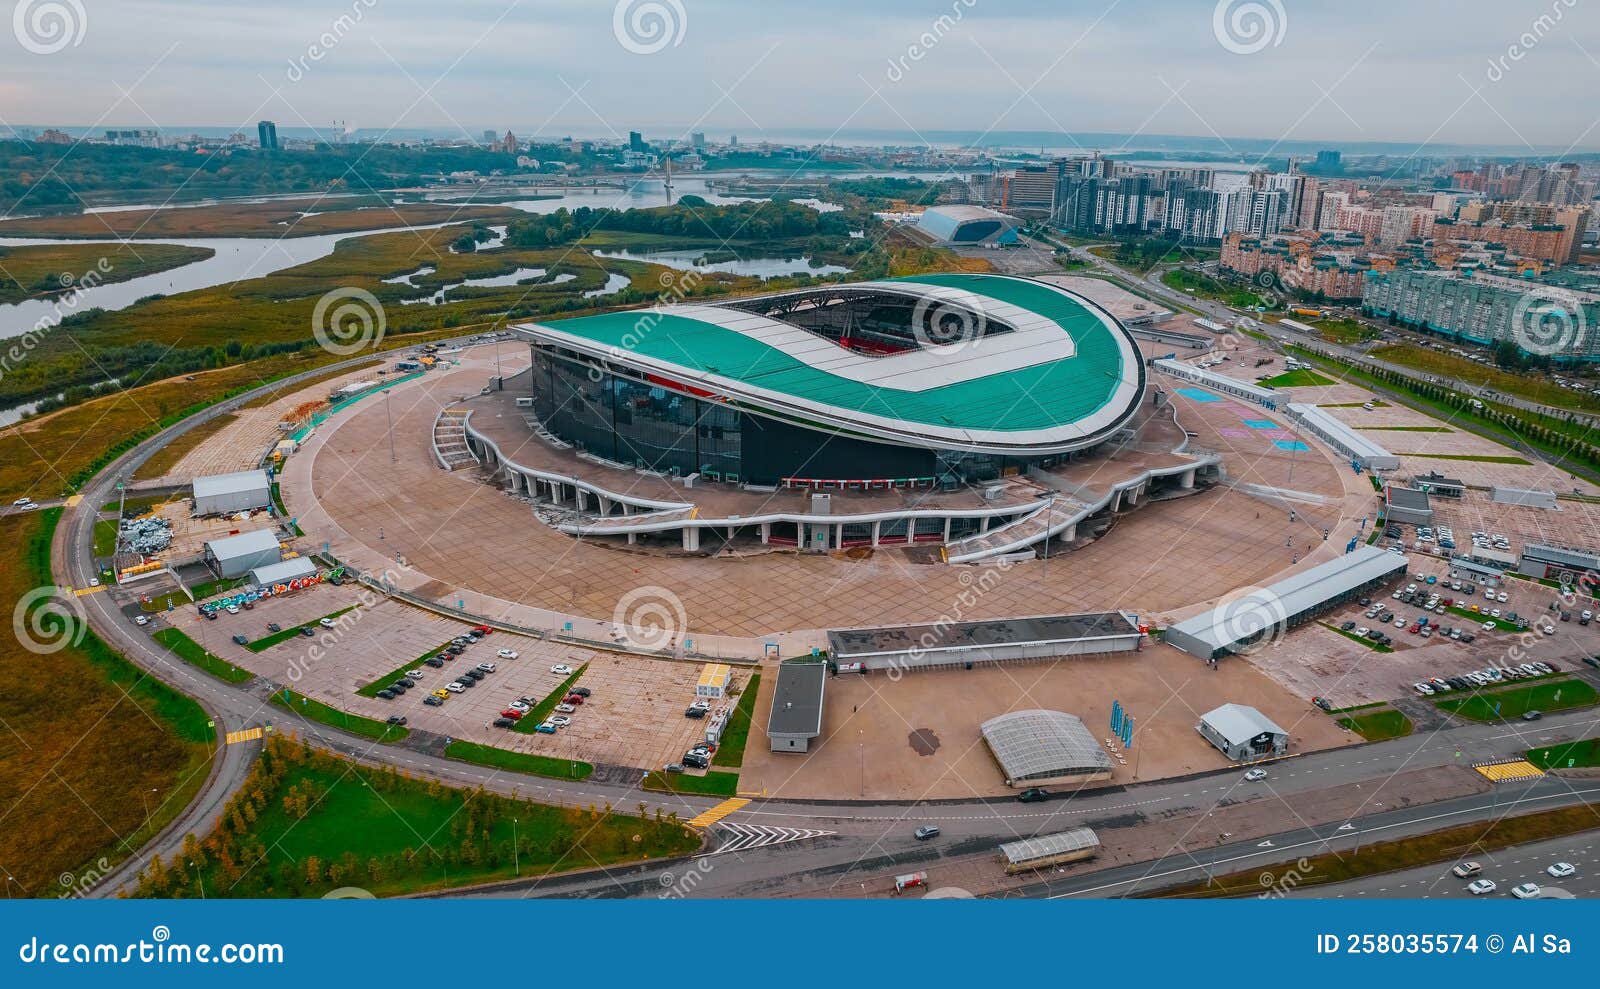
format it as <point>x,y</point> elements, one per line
<point>902,411</point>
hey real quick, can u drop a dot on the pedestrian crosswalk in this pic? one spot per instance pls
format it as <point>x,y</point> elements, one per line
<point>1505,772</point>
<point>743,837</point>
<point>707,818</point>
<point>243,735</point>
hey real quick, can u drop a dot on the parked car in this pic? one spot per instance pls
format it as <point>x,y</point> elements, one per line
<point>1255,775</point>
<point>1033,795</point>
<point>504,723</point>
<point>240,640</point>
<point>573,699</point>
<point>565,708</point>
<point>673,767</point>
<point>274,627</point>
<point>511,713</point>
<point>507,654</point>
<point>397,719</point>
<point>487,667</point>
<point>233,609</point>
<point>694,713</point>
<point>545,728</point>
<point>581,691</point>
<point>307,631</point>
<point>455,687</point>
<point>520,705</point>
<point>1532,715</point>
<point>433,661</point>
<point>481,629</point>
<point>926,832</point>
<point>432,701</point>
<point>561,721</point>
<point>561,670</point>
<point>386,694</point>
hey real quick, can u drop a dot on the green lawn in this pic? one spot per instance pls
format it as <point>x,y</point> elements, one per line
<point>1302,378</point>
<point>1546,695</point>
<point>371,689</point>
<point>267,642</point>
<point>1580,754</point>
<point>517,762</point>
<point>308,822</point>
<point>713,784</point>
<point>194,654</point>
<point>1408,429</point>
<point>1518,461</point>
<point>335,718</point>
<point>730,751</point>
<point>1352,636</point>
<point>1378,726</point>
<point>105,537</point>
<point>541,710</point>
<point>1199,285</point>
<point>1483,618</point>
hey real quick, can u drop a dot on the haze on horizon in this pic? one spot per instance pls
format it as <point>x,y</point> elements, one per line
<point>1504,73</point>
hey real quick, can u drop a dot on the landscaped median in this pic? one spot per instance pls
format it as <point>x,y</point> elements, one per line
<point>284,635</point>
<point>730,750</point>
<point>540,711</point>
<point>335,718</point>
<point>518,762</point>
<point>712,784</point>
<point>1378,726</point>
<point>1583,754</point>
<point>1351,635</point>
<point>191,652</point>
<point>371,689</point>
<point>1506,703</point>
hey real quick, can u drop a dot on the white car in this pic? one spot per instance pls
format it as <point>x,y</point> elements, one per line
<point>141,620</point>
<point>507,654</point>
<point>486,667</point>
<point>233,609</point>
<point>1561,870</point>
<point>561,670</point>
<point>1501,597</point>
<point>1255,775</point>
<point>522,706</point>
<point>1494,612</point>
<point>561,721</point>
<point>565,708</point>
<point>95,582</point>
<point>22,502</point>
<point>455,687</point>
<point>1526,891</point>
<point>414,674</point>
<point>1480,887</point>
<point>1362,630</point>
<point>1399,623</point>
<point>1489,626</point>
<point>326,622</point>
<point>1422,689</point>
<point>1548,629</point>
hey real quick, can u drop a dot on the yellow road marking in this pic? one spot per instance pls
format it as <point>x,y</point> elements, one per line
<point>243,735</point>
<point>72,501</point>
<point>80,592</point>
<point>718,812</point>
<point>1501,772</point>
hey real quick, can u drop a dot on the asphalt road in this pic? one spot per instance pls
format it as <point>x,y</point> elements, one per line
<point>1507,867</point>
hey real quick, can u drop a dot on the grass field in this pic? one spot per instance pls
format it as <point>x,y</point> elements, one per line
<point>1204,286</point>
<point>1378,726</point>
<point>1518,461</point>
<point>1353,637</point>
<point>1406,429</point>
<point>289,833</point>
<point>731,750</point>
<point>713,784</point>
<point>517,762</point>
<point>1533,386</point>
<point>1545,695</point>
<point>355,724</point>
<point>194,654</point>
<point>1570,755</point>
<point>45,270</point>
<point>1302,378</point>
<point>96,756</point>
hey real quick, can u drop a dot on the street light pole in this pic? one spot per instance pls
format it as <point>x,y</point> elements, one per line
<point>516,857</point>
<point>390,413</point>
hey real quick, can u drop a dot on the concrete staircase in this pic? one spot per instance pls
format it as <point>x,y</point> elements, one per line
<point>450,440</point>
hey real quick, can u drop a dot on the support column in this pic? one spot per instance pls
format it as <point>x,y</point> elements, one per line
<point>877,527</point>
<point>633,537</point>
<point>1187,480</point>
<point>583,498</point>
<point>983,524</point>
<point>691,538</point>
<point>766,533</point>
<point>947,521</point>
<point>605,504</point>
<point>838,536</point>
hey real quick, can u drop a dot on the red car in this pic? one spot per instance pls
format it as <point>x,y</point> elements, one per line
<point>573,699</point>
<point>483,629</point>
<point>511,713</point>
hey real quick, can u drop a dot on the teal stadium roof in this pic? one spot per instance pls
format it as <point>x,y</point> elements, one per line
<point>1064,377</point>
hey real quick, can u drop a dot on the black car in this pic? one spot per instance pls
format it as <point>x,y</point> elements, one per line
<point>432,701</point>
<point>397,719</point>
<point>926,832</point>
<point>468,682</point>
<point>475,674</point>
<point>307,631</point>
<point>274,627</point>
<point>674,767</point>
<point>211,616</point>
<point>386,694</point>
<point>240,640</point>
<point>406,682</point>
<point>1347,626</point>
<point>695,712</point>
<point>400,686</point>
<point>455,650</point>
<point>581,691</point>
<point>1365,601</point>
<point>504,723</point>
<point>433,661</point>
<point>1033,795</point>
<point>1532,715</point>
<point>474,635</point>
<point>1592,662</point>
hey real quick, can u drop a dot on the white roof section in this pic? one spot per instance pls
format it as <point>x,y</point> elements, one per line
<point>963,212</point>
<point>1239,723</point>
<point>278,573</point>
<point>244,544</point>
<point>1046,846</point>
<point>1265,608</point>
<point>1205,376</point>
<point>1040,744</point>
<point>1338,433</point>
<point>226,484</point>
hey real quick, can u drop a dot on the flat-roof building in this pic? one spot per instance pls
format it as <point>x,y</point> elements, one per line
<point>714,681</point>
<point>1345,440</point>
<point>959,643</point>
<point>1551,562</point>
<point>1526,497</point>
<point>1207,378</point>
<point>796,716</point>
<point>1037,747</point>
<point>235,556</point>
<point>1408,506</point>
<point>1264,614</point>
<point>1243,733</point>
<point>224,494</point>
<point>1438,485</point>
<point>273,574</point>
<point>1045,850</point>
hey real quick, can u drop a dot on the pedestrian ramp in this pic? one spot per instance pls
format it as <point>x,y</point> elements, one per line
<point>709,817</point>
<point>1508,772</point>
<point>243,735</point>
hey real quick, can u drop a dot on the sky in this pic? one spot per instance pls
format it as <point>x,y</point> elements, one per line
<point>1504,73</point>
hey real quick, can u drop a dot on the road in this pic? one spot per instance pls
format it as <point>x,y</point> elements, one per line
<point>1507,867</point>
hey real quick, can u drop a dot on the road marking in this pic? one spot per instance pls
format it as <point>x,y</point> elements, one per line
<point>717,813</point>
<point>1506,772</point>
<point>80,592</point>
<point>743,837</point>
<point>243,735</point>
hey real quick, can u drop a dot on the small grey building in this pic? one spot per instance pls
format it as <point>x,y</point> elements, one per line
<point>224,494</point>
<point>1438,485</point>
<point>235,556</point>
<point>1564,563</point>
<point>1406,506</point>
<point>796,716</point>
<point>1243,733</point>
<point>282,573</point>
